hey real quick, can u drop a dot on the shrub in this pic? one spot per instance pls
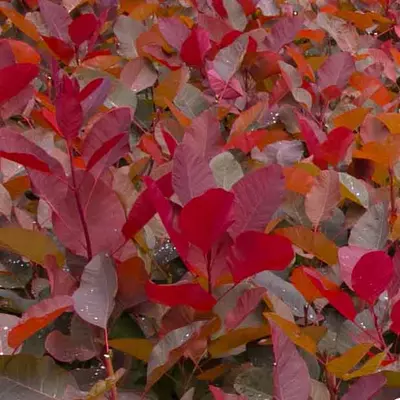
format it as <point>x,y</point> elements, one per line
<point>199,199</point>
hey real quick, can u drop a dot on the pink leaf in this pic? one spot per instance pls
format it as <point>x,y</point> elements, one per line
<point>254,252</point>
<point>323,197</point>
<point>206,134</point>
<point>372,275</point>
<point>195,47</point>
<point>229,91</point>
<point>14,78</point>
<point>338,299</point>
<point>348,258</point>
<point>189,294</point>
<point>175,32</point>
<point>257,196</point>
<point>106,127</point>
<point>82,28</point>
<point>291,377</point>
<point>219,394</point>
<point>138,74</point>
<point>56,18</point>
<point>143,209</point>
<point>93,95</point>
<point>367,387</point>
<point>191,174</point>
<point>172,61</point>
<point>205,218</point>
<point>245,304</point>
<point>61,282</point>
<point>18,104</point>
<point>336,71</point>
<point>94,299</point>
<point>37,317</point>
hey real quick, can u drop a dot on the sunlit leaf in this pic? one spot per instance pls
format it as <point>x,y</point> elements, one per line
<point>138,348</point>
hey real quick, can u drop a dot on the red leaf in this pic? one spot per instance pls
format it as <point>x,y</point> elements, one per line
<point>90,88</point>
<point>82,28</point>
<point>219,394</point>
<point>143,209</point>
<point>61,49</point>
<point>191,174</point>
<point>395,317</point>
<point>189,294</point>
<point>335,147</point>
<point>245,304</point>
<point>195,47</point>
<point>149,145</point>
<point>14,78</point>
<point>338,299</point>
<point>372,275</point>
<point>255,252</point>
<point>103,150</point>
<point>69,112</point>
<point>205,218</point>
<point>37,317</point>
<point>257,196</point>
<point>28,160</point>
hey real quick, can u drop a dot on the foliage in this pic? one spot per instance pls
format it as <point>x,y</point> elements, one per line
<point>200,199</point>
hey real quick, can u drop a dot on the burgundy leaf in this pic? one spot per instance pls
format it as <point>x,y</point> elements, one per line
<point>195,47</point>
<point>191,174</point>
<point>82,28</point>
<point>189,294</point>
<point>255,252</point>
<point>291,377</point>
<point>257,196</point>
<point>69,112</point>
<point>205,218</point>
<point>372,275</point>
<point>395,317</point>
<point>101,207</point>
<point>37,317</point>
<point>14,78</point>
<point>245,304</point>
<point>94,299</point>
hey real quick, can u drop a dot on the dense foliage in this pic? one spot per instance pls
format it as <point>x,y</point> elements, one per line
<point>199,199</point>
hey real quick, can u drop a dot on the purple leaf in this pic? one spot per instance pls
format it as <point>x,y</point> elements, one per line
<point>175,32</point>
<point>336,71</point>
<point>291,378</point>
<point>191,174</point>
<point>96,97</point>
<point>366,387</point>
<point>257,196</point>
<point>138,74</point>
<point>56,18</point>
<point>283,32</point>
<point>94,299</point>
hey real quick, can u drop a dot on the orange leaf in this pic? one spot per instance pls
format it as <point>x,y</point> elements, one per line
<point>17,186</point>
<point>391,120</point>
<point>396,55</point>
<point>37,317</point>
<point>312,242</point>
<point>21,23</point>
<point>214,373</point>
<point>385,154</point>
<point>361,21</point>
<point>301,62</point>
<point>102,62</point>
<point>180,117</point>
<point>23,53</point>
<point>303,284</point>
<point>317,35</point>
<point>142,10</point>
<point>169,87</point>
<point>298,180</point>
<point>351,119</point>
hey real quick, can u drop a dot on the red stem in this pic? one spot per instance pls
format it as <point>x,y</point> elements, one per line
<point>393,211</point>
<point>80,208</point>
<point>109,366</point>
